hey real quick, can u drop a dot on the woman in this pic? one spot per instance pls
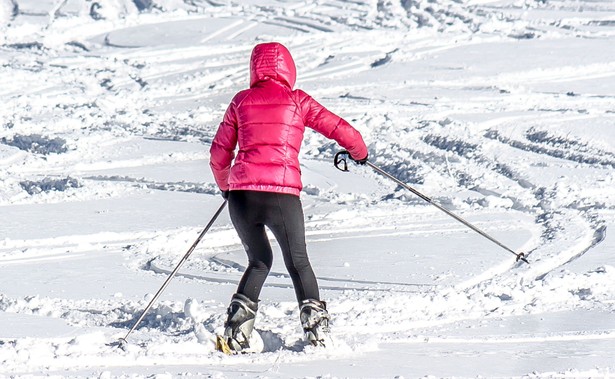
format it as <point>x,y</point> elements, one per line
<point>263,184</point>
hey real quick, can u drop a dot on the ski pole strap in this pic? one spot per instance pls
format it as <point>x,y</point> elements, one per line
<point>339,161</point>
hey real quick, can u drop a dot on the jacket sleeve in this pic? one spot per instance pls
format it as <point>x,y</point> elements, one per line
<point>332,126</point>
<point>222,149</point>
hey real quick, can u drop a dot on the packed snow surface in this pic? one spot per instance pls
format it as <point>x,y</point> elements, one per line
<point>501,111</point>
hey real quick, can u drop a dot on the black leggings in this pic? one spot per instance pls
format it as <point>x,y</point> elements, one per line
<point>250,212</point>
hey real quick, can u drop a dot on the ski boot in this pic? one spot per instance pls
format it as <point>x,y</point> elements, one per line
<point>315,321</point>
<point>240,323</point>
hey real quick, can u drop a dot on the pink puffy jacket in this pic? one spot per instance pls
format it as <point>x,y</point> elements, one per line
<point>267,121</point>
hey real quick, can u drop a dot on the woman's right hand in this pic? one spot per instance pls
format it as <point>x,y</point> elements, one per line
<point>361,161</point>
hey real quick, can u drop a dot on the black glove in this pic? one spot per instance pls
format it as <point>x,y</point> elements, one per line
<point>360,161</point>
<point>225,194</point>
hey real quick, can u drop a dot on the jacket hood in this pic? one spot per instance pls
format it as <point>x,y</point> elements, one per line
<point>272,61</point>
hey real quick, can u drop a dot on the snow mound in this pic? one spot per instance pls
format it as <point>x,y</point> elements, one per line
<point>36,143</point>
<point>49,185</point>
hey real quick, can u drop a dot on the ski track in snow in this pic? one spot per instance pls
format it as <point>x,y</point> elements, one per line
<point>109,112</point>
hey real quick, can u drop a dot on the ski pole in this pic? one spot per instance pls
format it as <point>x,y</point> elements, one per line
<point>339,160</point>
<point>123,341</point>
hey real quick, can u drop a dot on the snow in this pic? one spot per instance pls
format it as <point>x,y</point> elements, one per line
<point>501,111</point>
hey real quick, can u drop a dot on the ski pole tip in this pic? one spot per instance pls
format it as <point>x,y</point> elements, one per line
<point>121,343</point>
<point>521,256</point>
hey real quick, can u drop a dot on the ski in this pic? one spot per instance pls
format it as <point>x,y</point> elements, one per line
<point>222,346</point>
<point>256,345</point>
